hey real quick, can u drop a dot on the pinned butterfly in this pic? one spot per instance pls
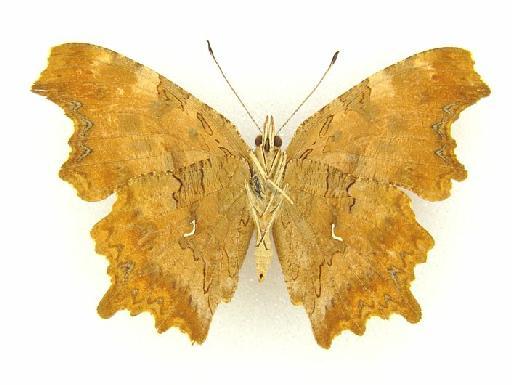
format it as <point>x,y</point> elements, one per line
<point>191,193</point>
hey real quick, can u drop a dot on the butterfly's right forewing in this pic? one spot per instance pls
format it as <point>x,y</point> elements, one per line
<point>395,126</point>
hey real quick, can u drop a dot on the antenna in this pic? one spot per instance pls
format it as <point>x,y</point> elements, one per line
<point>333,60</point>
<point>230,86</point>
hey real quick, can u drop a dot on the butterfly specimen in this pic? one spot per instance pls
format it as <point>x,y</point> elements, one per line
<point>191,193</point>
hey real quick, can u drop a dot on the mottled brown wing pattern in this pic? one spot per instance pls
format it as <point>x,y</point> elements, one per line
<point>180,226</point>
<point>349,243</point>
<point>128,119</point>
<point>175,242</point>
<point>394,127</point>
<point>366,268</point>
<point>346,236</point>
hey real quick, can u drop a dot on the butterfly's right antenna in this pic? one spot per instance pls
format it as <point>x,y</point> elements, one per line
<point>333,60</point>
<point>230,86</point>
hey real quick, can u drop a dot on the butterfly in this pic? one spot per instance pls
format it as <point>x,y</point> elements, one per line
<point>191,193</point>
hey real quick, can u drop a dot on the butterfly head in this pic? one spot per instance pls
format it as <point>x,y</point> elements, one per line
<point>268,139</point>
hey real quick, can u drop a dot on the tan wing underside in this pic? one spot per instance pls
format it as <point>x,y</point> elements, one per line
<point>180,227</point>
<point>128,120</point>
<point>368,270</point>
<point>394,127</point>
<point>175,242</point>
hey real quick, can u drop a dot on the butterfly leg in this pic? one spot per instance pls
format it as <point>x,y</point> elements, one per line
<point>265,196</point>
<point>252,205</point>
<point>275,176</point>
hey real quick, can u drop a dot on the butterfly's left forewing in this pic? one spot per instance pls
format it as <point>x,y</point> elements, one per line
<point>349,242</point>
<point>128,119</point>
<point>180,226</point>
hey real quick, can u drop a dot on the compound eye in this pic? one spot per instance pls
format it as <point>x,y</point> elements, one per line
<point>258,140</point>
<point>278,142</point>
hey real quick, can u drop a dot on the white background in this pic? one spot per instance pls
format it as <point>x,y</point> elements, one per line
<point>51,279</point>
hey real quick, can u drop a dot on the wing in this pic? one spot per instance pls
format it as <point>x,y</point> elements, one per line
<point>347,247</point>
<point>349,243</point>
<point>175,242</point>
<point>128,120</point>
<point>394,127</point>
<point>180,227</point>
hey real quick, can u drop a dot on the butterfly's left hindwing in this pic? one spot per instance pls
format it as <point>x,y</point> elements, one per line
<point>175,242</point>
<point>349,243</point>
<point>180,227</point>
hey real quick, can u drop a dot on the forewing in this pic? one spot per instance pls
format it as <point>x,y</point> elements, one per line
<point>394,127</point>
<point>128,120</point>
<point>366,268</point>
<point>175,242</point>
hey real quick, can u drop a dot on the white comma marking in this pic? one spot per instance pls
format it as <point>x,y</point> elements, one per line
<point>192,232</point>
<point>333,235</point>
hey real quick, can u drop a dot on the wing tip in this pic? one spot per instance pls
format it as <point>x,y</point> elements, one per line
<point>37,88</point>
<point>483,90</point>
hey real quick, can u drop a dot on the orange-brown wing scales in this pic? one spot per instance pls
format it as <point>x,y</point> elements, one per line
<point>128,120</point>
<point>394,127</point>
<point>175,242</point>
<point>366,268</point>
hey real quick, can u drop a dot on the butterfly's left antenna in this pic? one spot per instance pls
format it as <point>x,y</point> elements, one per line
<point>333,60</point>
<point>230,86</point>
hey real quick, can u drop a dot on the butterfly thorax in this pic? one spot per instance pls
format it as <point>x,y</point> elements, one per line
<point>265,191</point>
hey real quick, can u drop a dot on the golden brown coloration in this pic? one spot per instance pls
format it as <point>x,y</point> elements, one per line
<point>175,242</point>
<point>348,247</point>
<point>392,129</point>
<point>128,119</point>
<point>176,165</point>
<point>189,190</point>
